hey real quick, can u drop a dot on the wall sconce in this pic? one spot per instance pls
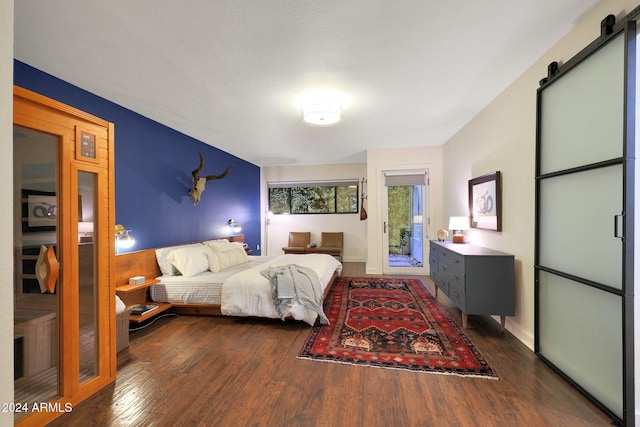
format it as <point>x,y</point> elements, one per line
<point>234,227</point>
<point>123,239</point>
<point>458,224</point>
<point>85,228</point>
<point>322,108</point>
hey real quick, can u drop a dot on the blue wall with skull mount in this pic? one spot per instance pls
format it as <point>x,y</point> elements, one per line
<point>153,165</point>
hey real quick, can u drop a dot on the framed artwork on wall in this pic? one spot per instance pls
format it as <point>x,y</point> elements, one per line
<point>39,211</point>
<point>485,204</point>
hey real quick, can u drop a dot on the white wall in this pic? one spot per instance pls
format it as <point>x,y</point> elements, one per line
<point>6,209</point>
<point>277,234</point>
<point>502,137</point>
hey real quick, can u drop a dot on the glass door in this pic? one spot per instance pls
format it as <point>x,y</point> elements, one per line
<point>36,286</point>
<point>584,226</point>
<point>404,234</point>
<point>87,283</point>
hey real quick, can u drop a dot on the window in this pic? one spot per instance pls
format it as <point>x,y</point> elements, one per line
<point>313,197</point>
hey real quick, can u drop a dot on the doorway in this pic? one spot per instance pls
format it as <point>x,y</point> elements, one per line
<point>404,196</point>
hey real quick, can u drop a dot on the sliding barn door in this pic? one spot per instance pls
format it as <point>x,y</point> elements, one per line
<point>584,223</point>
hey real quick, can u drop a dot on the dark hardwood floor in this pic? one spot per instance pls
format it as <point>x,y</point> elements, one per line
<point>218,371</point>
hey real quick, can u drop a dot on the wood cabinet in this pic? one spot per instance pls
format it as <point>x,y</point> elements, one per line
<point>476,279</point>
<point>64,305</point>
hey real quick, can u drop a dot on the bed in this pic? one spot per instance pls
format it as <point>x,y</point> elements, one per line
<point>233,285</point>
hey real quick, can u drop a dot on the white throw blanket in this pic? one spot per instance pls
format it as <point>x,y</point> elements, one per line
<point>249,293</point>
<point>293,283</point>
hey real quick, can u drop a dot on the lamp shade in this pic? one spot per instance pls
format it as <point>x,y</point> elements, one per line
<point>85,227</point>
<point>126,241</point>
<point>234,226</point>
<point>458,223</point>
<point>123,239</point>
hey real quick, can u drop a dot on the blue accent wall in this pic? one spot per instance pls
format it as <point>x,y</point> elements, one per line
<point>153,165</point>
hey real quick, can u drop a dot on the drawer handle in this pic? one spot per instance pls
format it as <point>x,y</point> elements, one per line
<point>456,294</point>
<point>456,260</point>
<point>456,277</point>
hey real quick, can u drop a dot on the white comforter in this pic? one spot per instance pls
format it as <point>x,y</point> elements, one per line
<point>249,293</point>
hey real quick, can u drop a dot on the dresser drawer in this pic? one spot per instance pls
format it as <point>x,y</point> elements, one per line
<point>457,293</point>
<point>451,259</point>
<point>443,285</point>
<point>449,271</point>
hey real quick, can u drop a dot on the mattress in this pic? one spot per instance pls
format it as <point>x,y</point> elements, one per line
<point>203,288</point>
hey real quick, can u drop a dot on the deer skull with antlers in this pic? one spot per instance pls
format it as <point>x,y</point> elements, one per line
<point>199,182</point>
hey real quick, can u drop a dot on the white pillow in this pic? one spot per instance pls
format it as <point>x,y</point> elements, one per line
<point>190,260</point>
<point>120,306</point>
<point>166,266</point>
<point>234,254</point>
<point>214,262</point>
<point>218,244</point>
<point>231,246</point>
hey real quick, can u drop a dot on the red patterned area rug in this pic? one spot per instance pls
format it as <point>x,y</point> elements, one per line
<point>395,324</point>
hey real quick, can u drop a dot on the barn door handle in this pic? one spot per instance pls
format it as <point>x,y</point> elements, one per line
<point>616,228</point>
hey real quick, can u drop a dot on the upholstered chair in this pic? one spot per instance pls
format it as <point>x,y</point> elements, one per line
<point>298,242</point>
<point>332,244</point>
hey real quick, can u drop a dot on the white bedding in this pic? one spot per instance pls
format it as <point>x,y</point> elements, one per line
<point>249,293</point>
<point>203,288</point>
<point>242,290</point>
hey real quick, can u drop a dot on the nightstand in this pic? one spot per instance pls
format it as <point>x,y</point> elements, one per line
<point>139,294</point>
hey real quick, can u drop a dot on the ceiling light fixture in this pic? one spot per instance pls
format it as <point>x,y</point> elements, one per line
<point>322,108</point>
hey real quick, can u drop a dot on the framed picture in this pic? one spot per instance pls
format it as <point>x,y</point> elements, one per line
<point>39,211</point>
<point>485,204</point>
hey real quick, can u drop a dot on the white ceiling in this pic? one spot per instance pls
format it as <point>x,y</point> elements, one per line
<point>228,72</point>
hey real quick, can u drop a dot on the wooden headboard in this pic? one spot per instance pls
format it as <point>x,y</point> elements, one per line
<point>143,263</point>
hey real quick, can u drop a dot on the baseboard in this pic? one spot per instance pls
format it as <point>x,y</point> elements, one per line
<point>517,331</point>
<point>362,260</point>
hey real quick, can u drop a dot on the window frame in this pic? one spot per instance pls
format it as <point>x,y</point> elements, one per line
<point>291,186</point>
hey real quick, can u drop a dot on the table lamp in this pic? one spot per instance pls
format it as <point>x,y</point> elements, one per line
<point>458,224</point>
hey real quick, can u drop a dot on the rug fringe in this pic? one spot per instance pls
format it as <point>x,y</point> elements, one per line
<point>481,376</point>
